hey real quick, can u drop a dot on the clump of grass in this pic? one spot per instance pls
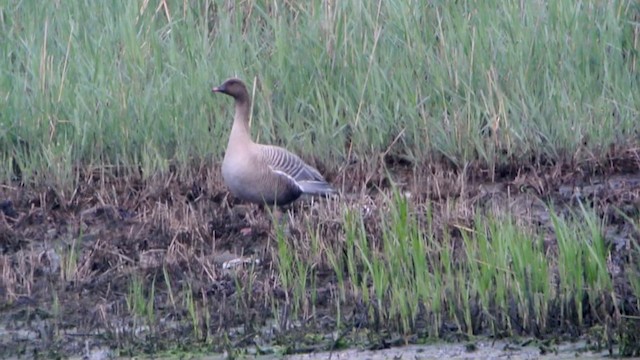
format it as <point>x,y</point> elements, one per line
<point>633,272</point>
<point>169,288</point>
<point>69,262</point>
<point>508,272</point>
<point>141,301</point>
<point>192,310</point>
<point>396,274</point>
<point>582,259</point>
<point>296,276</point>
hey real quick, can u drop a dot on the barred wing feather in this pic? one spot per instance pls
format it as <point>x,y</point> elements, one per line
<point>287,164</point>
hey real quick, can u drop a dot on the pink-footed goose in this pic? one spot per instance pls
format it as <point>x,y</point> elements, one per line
<point>263,174</point>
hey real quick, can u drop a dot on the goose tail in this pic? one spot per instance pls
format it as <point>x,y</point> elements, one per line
<point>320,188</point>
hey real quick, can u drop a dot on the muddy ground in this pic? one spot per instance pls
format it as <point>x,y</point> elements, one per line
<point>69,256</point>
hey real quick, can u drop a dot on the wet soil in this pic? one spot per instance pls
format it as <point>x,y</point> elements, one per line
<point>70,258</point>
<point>480,349</point>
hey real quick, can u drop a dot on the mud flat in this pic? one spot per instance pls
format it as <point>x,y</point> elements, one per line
<point>161,265</point>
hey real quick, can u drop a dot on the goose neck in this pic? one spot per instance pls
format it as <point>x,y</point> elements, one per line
<point>240,132</point>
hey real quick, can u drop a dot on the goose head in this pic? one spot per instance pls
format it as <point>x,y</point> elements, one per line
<point>234,88</point>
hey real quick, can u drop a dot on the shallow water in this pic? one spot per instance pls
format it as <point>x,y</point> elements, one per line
<point>482,350</point>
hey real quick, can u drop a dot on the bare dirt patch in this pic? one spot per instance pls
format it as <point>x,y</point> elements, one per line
<point>71,259</point>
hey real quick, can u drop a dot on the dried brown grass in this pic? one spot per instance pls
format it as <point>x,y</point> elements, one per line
<point>84,245</point>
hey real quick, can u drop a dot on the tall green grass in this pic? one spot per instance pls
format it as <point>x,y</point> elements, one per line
<point>509,274</point>
<point>582,265</point>
<point>94,83</point>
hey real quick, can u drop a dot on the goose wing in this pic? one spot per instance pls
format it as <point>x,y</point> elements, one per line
<point>289,166</point>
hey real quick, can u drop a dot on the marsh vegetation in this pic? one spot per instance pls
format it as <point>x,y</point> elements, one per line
<point>487,155</point>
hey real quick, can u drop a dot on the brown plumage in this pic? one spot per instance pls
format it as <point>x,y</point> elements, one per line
<point>263,174</point>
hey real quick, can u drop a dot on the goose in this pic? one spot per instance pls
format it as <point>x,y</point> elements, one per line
<point>263,174</point>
